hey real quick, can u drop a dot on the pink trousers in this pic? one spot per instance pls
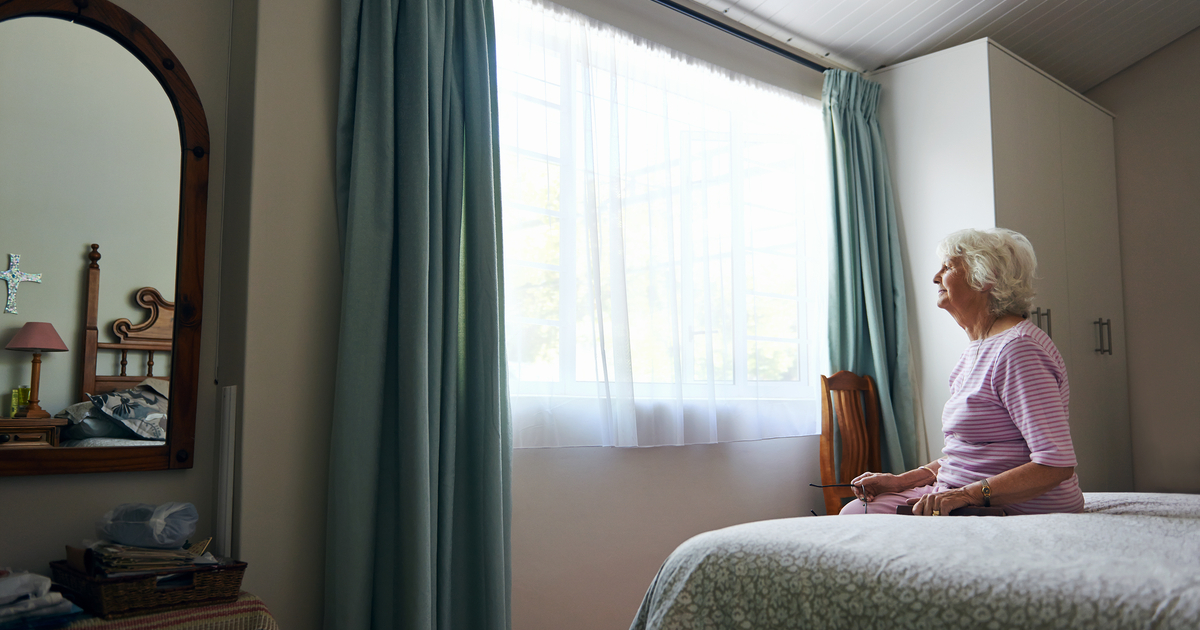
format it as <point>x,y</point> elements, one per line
<point>885,503</point>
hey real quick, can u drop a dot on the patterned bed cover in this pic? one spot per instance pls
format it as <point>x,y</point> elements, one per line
<point>1132,560</point>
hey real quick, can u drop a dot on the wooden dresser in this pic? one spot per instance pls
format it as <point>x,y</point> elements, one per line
<point>30,432</point>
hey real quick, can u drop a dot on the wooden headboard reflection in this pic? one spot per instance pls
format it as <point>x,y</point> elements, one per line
<point>142,341</point>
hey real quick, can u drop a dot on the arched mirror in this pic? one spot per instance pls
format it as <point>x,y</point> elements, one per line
<point>102,140</point>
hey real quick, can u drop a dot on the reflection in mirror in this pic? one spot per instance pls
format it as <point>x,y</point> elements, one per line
<point>89,153</point>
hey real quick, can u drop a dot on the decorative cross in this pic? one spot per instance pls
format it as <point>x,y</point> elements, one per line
<point>14,276</point>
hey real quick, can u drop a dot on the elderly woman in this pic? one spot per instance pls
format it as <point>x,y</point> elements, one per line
<point>1007,440</point>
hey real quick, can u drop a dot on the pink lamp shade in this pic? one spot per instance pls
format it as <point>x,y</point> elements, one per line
<point>37,337</point>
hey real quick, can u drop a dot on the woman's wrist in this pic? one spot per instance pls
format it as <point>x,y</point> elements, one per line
<point>930,471</point>
<point>974,492</point>
<point>917,477</point>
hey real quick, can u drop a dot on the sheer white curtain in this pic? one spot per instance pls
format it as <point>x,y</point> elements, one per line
<point>665,223</point>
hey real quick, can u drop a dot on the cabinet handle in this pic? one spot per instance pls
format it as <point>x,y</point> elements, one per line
<point>1101,325</point>
<point>1039,314</point>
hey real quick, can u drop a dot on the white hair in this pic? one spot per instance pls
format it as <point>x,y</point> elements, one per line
<point>998,261</point>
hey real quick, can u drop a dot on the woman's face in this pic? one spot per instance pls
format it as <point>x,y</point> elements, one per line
<point>954,292</point>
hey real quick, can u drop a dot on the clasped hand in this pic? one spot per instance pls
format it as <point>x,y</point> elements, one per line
<point>941,503</point>
<point>869,485</point>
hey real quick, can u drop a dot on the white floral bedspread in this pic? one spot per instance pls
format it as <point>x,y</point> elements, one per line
<point>1131,561</point>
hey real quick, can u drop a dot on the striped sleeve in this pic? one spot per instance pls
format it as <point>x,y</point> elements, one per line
<point>1027,382</point>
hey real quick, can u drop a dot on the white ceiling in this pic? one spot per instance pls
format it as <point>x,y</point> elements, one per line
<point>1079,42</point>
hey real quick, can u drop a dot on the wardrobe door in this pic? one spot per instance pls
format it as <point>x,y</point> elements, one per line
<point>1027,159</point>
<point>1099,390</point>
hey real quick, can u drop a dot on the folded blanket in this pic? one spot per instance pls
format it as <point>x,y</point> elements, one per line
<point>20,584</point>
<point>32,606</point>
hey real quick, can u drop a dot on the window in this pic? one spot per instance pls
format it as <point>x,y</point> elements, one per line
<point>664,241</point>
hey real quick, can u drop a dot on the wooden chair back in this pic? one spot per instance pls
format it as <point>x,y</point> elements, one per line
<point>853,403</point>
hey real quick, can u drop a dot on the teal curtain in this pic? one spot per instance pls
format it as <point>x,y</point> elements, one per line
<point>868,316</point>
<point>420,454</point>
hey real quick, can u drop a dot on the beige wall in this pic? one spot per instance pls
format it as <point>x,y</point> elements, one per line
<point>1158,187</point>
<point>285,97</point>
<point>42,514</point>
<point>592,525</point>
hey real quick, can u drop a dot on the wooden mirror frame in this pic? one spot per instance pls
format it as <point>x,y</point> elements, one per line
<point>126,30</point>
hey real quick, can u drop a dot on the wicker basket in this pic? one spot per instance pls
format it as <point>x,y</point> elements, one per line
<point>124,596</point>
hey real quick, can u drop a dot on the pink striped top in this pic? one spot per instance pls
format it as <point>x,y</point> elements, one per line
<point>1008,406</point>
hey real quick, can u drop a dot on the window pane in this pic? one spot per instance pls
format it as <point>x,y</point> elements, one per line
<point>769,230</point>
<point>593,312</point>
<point>529,181</point>
<point>772,274</point>
<point>774,361</point>
<point>721,357</point>
<point>772,317</point>
<point>652,330</point>
<point>534,291</point>
<point>537,128</point>
<point>531,237</point>
<point>587,353</point>
<point>533,352</point>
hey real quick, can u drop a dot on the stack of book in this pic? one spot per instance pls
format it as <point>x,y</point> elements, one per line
<point>108,559</point>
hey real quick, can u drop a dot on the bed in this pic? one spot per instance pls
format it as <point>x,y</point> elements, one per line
<point>1131,560</point>
<point>128,408</point>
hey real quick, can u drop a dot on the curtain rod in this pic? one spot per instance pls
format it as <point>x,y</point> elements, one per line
<point>740,34</point>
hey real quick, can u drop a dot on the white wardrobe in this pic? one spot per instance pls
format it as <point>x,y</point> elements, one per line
<point>978,137</point>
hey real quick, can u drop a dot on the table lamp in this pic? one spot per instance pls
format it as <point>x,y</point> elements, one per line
<point>36,337</point>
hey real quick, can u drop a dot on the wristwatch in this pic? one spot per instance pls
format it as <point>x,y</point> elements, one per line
<point>987,493</point>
